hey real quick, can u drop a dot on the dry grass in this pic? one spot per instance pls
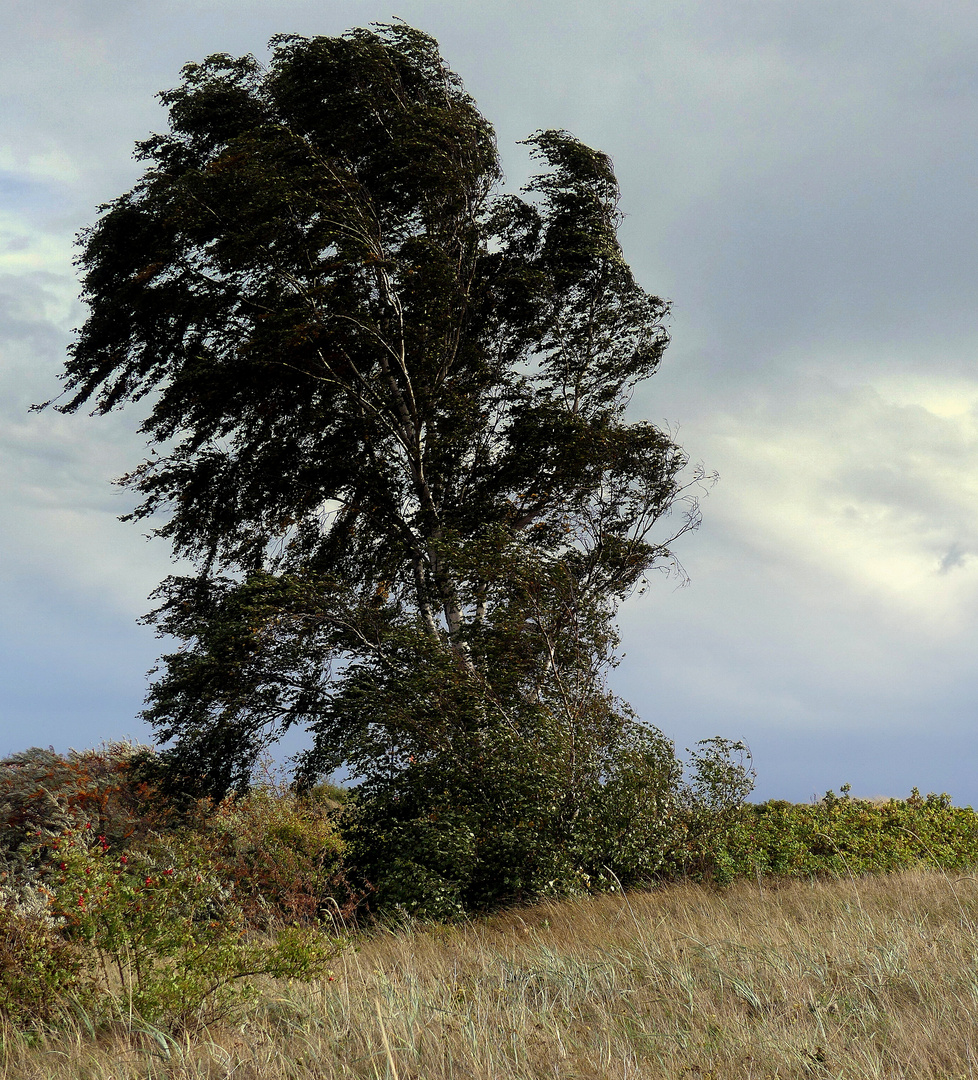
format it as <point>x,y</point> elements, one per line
<point>863,979</point>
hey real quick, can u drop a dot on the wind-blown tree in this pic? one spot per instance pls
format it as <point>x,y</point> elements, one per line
<point>388,423</point>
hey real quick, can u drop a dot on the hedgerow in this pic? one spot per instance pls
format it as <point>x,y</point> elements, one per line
<point>838,836</point>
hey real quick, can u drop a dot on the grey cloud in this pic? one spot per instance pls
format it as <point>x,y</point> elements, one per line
<point>30,315</point>
<point>955,556</point>
<point>798,177</point>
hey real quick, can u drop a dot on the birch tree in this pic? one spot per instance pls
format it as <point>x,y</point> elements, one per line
<point>385,403</point>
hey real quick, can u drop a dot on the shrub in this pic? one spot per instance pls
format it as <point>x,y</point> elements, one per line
<point>840,836</point>
<point>42,789</point>
<point>720,778</point>
<point>39,969</point>
<point>163,931</point>
<point>498,819</point>
<point>43,793</point>
<point>284,853</point>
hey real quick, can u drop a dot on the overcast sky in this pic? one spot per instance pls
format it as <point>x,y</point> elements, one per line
<point>799,178</point>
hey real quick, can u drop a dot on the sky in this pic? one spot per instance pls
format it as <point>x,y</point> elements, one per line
<point>798,178</point>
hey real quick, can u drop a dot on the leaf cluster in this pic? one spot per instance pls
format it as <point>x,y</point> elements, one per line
<point>164,934</point>
<point>43,793</point>
<point>500,816</point>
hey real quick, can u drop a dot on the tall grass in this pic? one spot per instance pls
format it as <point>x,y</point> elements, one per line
<point>871,977</point>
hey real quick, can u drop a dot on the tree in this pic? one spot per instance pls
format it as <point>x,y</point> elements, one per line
<point>388,415</point>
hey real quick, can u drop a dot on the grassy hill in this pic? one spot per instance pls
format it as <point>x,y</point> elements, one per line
<point>873,976</point>
<point>141,938</point>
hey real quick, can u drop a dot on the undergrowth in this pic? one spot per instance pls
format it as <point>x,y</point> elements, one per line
<point>132,918</point>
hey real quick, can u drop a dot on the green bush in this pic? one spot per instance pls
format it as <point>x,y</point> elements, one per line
<point>839,835</point>
<point>503,820</point>
<point>162,933</point>
<point>720,777</point>
<point>40,969</point>
<point>284,853</point>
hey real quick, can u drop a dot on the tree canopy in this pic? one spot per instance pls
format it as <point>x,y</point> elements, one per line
<point>387,415</point>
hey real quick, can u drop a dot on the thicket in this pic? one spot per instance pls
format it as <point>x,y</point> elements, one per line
<point>116,903</point>
<point>842,836</point>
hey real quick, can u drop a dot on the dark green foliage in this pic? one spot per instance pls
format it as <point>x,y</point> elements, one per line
<point>503,818</point>
<point>389,401</point>
<point>504,815</point>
